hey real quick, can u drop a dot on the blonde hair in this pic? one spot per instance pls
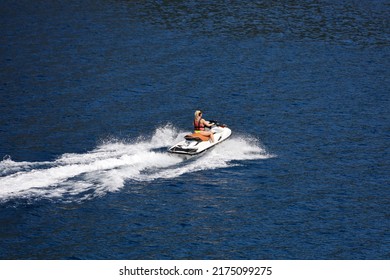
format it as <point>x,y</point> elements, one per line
<point>197,113</point>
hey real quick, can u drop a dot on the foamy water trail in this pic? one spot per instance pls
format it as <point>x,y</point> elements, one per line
<point>76,177</point>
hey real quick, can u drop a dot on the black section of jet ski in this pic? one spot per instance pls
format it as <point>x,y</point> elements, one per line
<point>180,149</point>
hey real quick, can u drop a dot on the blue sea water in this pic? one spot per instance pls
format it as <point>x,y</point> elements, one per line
<point>92,93</point>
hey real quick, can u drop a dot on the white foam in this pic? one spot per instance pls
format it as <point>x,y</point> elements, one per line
<point>108,167</point>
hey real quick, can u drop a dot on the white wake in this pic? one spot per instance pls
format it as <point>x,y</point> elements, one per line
<point>108,167</point>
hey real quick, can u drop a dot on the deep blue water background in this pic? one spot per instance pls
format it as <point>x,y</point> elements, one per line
<point>304,86</point>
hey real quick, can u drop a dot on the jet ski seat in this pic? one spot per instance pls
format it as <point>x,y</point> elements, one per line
<point>197,137</point>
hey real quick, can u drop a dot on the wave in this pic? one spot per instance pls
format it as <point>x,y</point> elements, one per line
<point>114,164</point>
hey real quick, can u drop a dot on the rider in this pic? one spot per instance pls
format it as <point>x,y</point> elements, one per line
<point>199,125</point>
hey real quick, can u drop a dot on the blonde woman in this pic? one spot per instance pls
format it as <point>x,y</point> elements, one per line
<point>200,124</point>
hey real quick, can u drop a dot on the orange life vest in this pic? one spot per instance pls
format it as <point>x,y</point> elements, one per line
<point>198,126</point>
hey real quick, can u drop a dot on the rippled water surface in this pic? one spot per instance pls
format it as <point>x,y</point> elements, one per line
<point>92,93</point>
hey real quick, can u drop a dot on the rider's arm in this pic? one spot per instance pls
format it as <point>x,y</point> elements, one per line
<point>206,123</point>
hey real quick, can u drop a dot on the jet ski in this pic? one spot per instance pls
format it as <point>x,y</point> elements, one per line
<point>197,143</point>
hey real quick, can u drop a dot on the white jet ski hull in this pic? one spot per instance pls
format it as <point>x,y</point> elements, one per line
<point>195,147</point>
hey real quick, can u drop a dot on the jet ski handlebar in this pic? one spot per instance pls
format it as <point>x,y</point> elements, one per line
<point>216,123</point>
<point>213,122</point>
